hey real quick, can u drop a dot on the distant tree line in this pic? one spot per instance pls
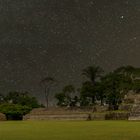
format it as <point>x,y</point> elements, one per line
<point>100,87</point>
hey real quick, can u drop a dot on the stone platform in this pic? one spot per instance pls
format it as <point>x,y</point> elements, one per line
<point>135,113</point>
<point>56,114</point>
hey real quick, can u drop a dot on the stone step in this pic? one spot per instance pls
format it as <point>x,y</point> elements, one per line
<point>132,118</point>
<point>136,111</point>
<point>135,115</point>
<point>57,117</point>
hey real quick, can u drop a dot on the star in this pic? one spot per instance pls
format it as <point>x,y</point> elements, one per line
<point>122,17</point>
<point>134,38</point>
<point>80,51</point>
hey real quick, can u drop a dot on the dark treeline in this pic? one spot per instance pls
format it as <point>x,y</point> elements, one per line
<point>101,88</point>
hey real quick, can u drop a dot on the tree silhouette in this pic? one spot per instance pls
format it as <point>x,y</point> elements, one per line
<point>89,88</point>
<point>47,84</point>
<point>92,73</point>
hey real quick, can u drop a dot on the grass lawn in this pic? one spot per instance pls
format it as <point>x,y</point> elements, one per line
<point>70,130</point>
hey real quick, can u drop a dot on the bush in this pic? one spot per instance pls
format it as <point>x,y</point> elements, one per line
<point>24,99</point>
<point>14,111</point>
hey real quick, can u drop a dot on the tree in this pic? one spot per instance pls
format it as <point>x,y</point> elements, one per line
<point>47,84</point>
<point>71,99</point>
<point>67,97</point>
<point>22,98</point>
<point>89,88</point>
<point>136,84</point>
<point>133,74</point>
<point>100,92</point>
<point>127,71</point>
<point>87,92</point>
<point>61,99</point>
<point>116,87</point>
<point>93,73</point>
<point>69,90</point>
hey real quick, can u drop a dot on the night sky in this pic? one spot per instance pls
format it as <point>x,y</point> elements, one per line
<point>59,38</point>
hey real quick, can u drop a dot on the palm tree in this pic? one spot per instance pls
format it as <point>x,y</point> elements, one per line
<point>47,83</point>
<point>92,73</point>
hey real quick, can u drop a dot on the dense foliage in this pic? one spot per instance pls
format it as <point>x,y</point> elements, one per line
<point>22,99</point>
<point>107,88</point>
<point>67,97</point>
<point>14,111</point>
<point>15,104</point>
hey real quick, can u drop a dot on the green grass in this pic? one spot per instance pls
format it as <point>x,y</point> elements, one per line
<point>70,130</point>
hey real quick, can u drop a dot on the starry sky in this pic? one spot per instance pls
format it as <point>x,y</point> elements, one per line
<point>61,37</point>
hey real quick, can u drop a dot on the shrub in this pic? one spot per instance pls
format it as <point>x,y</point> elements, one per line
<point>14,111</point>
<point>24,99</point>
